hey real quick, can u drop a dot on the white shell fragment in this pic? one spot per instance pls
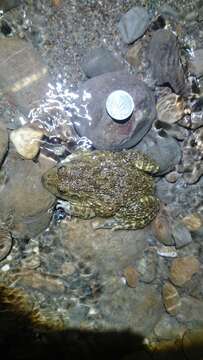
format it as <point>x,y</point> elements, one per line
<point>167,251</point>
<point>27,141</point>
<point>120,105</point>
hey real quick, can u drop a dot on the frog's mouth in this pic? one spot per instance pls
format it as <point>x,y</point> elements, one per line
<point>50,180</point>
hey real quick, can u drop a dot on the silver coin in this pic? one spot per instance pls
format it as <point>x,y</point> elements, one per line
<point>119,105</point>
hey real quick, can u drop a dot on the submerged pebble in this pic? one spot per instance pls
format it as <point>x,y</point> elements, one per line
<point>23,77</point>
<point>98,61</point>
<point>131,275</point>
<point>167,251</point>
<point>133,24</point>
<point>165,61</point>
<point>5,243</point>
<point>193,222</point>
<point>170,108</point>
<point>171,299</point>
<point>24,203</point>
<point>162,227</point>
<point>147,266</point>
<point>181,234</point>
<point>196,65</point>
<point>182,269</point>
<point>162,148</point>
<point>91,119</point>
<point>27,141</point>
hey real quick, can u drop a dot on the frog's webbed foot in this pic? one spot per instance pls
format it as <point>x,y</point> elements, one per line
<point>145,163</point>
<point>81,209</point>
<point>136,215</point>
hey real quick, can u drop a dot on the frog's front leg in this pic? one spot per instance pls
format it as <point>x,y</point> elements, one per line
<point>135,215</point>
<point>81,209</point>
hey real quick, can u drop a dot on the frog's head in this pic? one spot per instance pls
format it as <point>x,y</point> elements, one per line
<point>50,180</point>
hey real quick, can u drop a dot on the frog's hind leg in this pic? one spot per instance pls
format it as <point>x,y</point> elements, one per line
<point>83,210</point>
<point>136,215</point>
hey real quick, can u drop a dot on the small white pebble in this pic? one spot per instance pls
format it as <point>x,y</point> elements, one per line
<point>9,257</point>
<point>5,267</point>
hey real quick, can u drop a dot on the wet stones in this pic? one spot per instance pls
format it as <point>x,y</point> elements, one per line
<point>3,141</point>
<point>182,269</point>
<point>162,148</point>
<point>41,281</point>
<point>196,65</point>
<point>25,206</point>
<point>170,108</point>
<point>162,227</point>
<point>131,275</point>
<point>193,222</point>
<point>147,266</point>
<point>98,61</point>
<point>168,328</point>
<point>92,120</point>
<point>6,5</point>
<point>171,299</point>
<point>133,24</point>
<point>5,243</point>
<point>191,311</point>
<point>181,234</point>
<point>165,61</point>
<point>27,141</point>
<point>23,77</point>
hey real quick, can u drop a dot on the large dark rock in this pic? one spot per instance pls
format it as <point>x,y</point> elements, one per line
<point>133,24</point>
<point>23,77</point>
<point>25,206</point>
<point>164,58</point>
<point>98,61</point>
<point>91,119</point>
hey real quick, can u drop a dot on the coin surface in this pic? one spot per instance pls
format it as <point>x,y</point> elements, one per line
<point>119,105</point>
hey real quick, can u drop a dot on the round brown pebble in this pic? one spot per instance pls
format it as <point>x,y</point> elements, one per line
<point>193,222</point>
<point>171,298</point>
<point>162,227</point>
<point>5,243</point>
<point>172,177</point>
<point>182,269</point>
<point>131,275</point>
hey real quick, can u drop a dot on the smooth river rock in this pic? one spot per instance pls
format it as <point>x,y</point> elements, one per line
<point>92,121</point>
<point>25,206</point>
<point>98,61</point>
<point>165,62</point>
<point>133,24</point>
<point>24,78</point>
<point>162,148</point>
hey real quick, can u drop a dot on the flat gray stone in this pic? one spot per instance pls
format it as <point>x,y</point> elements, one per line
<point>98,61</point>
<point>196,63</point>
<point>168,328</point>
<point>165,64</point>
<point>162,148</point>
<point>133,24</point>
<point>181,235</point>
<point>191,311</point>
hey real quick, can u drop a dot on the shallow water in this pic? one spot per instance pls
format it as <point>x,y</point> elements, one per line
<point>77,275</point>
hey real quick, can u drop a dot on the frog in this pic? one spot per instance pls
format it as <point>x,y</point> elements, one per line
<point>118,186</point>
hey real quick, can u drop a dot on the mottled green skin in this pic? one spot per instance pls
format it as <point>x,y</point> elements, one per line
<point>107,184</point>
